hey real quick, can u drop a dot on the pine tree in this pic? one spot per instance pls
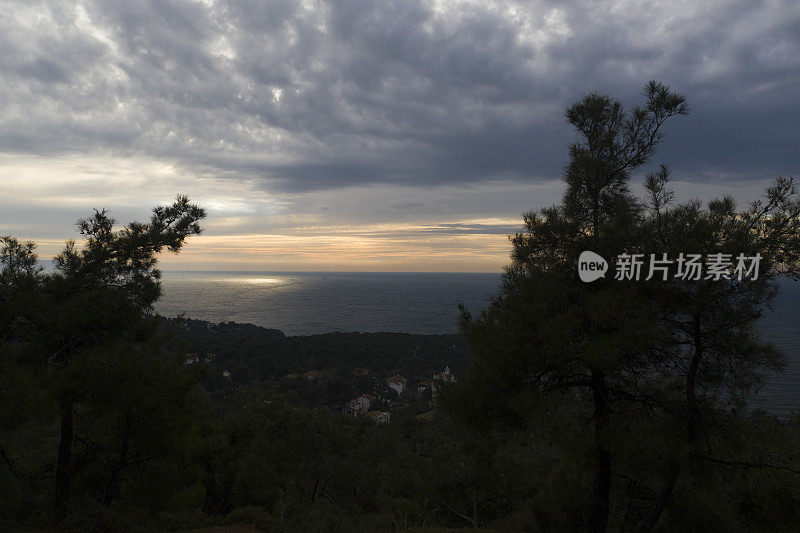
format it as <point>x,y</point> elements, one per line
<point>546,329</point>
<point>93,306</point>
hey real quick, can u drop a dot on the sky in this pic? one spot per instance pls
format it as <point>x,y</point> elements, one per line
<point>369,136</point>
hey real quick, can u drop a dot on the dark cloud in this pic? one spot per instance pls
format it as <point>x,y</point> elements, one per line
<point>318,95</point>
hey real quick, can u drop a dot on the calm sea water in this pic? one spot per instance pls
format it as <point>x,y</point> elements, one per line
<point>781,326</point>
<point>305,303</point>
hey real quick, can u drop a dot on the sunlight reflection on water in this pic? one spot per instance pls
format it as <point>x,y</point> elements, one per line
<point>257,281</point>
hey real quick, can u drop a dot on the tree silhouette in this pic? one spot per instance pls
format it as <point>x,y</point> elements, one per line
<point>676,357</point>
<point>550,332</point>
<point>90,306</point>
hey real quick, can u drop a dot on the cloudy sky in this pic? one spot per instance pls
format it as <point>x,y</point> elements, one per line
<point>368,135</point>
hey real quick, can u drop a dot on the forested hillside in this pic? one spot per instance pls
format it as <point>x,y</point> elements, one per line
<point>254,354</point>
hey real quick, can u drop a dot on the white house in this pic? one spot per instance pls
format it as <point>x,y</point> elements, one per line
<point>358,406</point>
<point>442,377</point>
<point>445,376</point>
<point>397,383</point>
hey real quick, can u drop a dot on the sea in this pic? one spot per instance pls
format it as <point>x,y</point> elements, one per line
<point>307,303</point>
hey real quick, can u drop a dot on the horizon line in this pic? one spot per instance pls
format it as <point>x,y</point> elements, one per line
<point>343,271</point>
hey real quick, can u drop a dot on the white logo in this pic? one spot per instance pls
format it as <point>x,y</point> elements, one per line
<point>591,266</point>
